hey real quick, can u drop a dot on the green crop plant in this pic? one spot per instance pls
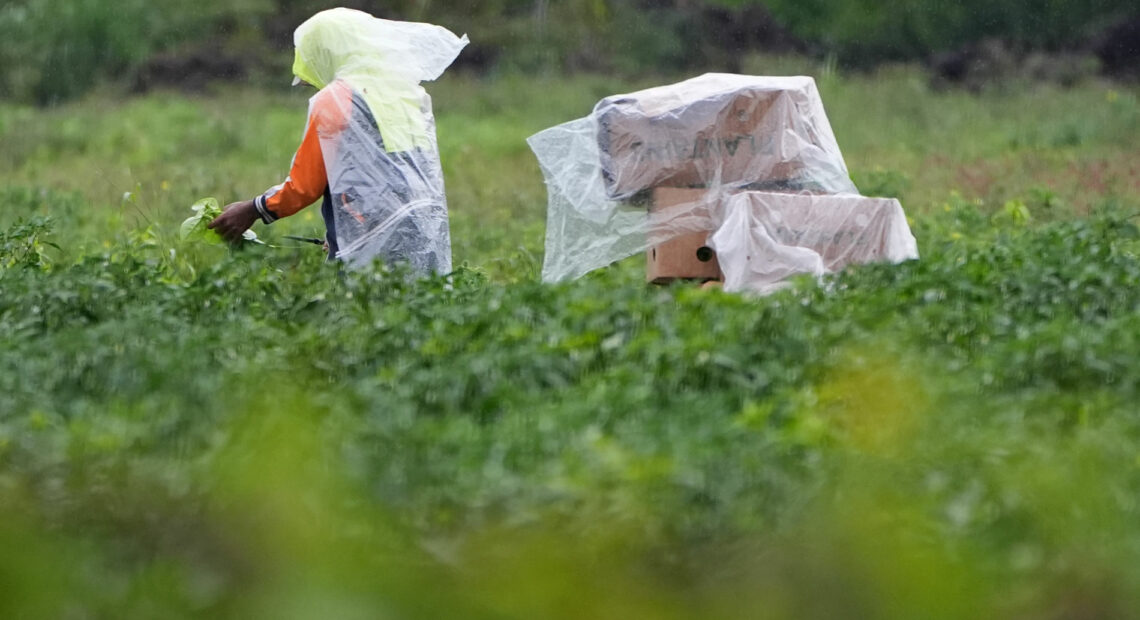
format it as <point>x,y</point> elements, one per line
<point>191,432</point>
<point>195,227</point>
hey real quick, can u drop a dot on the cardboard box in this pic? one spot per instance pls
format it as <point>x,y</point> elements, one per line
<point>842,229</point>
<point>686,257</point>
<point>839,230</point>
<point>702,132</point>
<point>766,238</point>
<point>680,221</point>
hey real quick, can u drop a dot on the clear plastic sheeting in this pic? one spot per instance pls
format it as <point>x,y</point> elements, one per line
<point>748,165</point>
<point>377,133</point>
<point>764,238</point>
<point>719,129</point>
<point>719,132</point>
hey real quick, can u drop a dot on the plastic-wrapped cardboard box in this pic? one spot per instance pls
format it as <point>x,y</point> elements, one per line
<point>764,238</point>
<point>756,240</point>
<point>720,132</point>
<point>708,131</point>
<point>680,222</point>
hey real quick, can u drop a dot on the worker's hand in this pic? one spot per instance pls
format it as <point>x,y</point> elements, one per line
<point>234,220</point>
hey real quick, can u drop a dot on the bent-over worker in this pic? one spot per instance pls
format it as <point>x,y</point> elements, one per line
<point>369,147</point>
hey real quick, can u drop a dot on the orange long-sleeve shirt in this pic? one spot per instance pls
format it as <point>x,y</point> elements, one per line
<point>328,115</point>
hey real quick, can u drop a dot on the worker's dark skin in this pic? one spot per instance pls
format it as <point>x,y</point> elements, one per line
<point>236,219</point>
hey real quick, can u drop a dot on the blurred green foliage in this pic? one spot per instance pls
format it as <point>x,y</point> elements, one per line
<point>865,32</point>
<point>251,434</point>
<point>51,50</point>
<point>187,431</point>
<point>56,49</point>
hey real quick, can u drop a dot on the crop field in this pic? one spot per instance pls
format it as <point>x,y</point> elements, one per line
<point>191,431</point>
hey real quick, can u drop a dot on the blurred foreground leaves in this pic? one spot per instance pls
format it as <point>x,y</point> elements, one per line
<point>189,431</point>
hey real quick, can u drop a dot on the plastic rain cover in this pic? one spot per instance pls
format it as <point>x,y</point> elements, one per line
<point>766,237</point>
<point>378,140</point>
<point>720,134</point>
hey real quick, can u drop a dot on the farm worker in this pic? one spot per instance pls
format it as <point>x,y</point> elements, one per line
<point>369,147</point>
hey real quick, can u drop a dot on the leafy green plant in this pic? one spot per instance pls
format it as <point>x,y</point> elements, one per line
<point>474,419</point>
<point>194,228</point>
<point>187,432</point>
<point>24,244</point>
<point>881,182</point>
<point>1014,212</point>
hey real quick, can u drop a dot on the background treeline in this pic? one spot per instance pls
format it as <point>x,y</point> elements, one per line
<point>55,49</point>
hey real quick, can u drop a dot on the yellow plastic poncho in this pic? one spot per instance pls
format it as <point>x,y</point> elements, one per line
<point>382,161</point>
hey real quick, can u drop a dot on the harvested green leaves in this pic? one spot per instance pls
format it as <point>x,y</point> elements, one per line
<point>195,227</point>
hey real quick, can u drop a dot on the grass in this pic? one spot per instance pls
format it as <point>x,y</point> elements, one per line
<point>1044,146</point>
<point>192,432</point>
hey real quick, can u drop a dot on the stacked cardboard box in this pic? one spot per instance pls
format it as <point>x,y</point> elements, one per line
<point>835,230</point>
<point>766,237</point>
<point>685,150</point>
<point>680,221</point>
<point>686,142</point>
<point>751,159</point>
<point>730,137</point>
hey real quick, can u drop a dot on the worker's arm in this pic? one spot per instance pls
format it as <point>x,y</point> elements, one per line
<point>307,178</point>
<point>305,184</point>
